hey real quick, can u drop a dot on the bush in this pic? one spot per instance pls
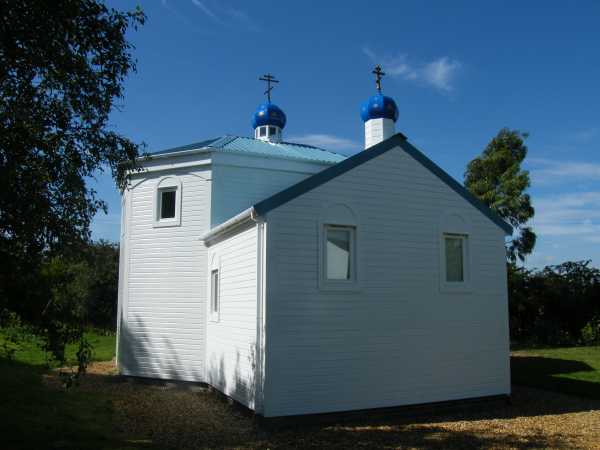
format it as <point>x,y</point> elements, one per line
<point>590,333</point>
<point>553,306</point>
<point>12,333</point>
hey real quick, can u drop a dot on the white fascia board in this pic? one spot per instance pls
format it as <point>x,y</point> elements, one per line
<point>174,161</point>
<point>245,216</point>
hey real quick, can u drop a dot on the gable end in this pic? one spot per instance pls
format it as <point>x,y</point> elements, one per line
<point>398,140</point>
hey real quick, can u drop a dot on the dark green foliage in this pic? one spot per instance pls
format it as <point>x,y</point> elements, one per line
<point>102,259</point>
<point>62,68</point>
<point>496,178</point>
<point>554,306</point>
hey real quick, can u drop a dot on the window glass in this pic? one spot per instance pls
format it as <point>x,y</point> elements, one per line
<point>214,291</point>
<point>263,131</point>
<point>272,131</point>
<point>167,204</point>
<point>338,253</point>
<point>454,258</point>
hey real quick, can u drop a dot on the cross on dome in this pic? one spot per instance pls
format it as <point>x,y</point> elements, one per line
<point>269,79</point>
<point>378,75</point>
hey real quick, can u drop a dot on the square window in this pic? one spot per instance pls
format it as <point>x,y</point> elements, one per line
<point>455,258</point>
<point>339,253</point>
<point>272,131</point>
<point>167,203</point>
<point>214,291</point>
<point>263,131</point>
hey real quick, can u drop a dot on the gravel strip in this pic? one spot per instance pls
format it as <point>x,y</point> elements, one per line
<point>184,416</point>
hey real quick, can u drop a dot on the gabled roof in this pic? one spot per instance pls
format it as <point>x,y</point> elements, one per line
<point>398,140</point>
<point>256,147</point>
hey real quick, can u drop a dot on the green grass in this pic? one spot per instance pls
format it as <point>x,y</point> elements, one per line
<point>31,353</point>
<point>570,370</point>
<point>33,415</point>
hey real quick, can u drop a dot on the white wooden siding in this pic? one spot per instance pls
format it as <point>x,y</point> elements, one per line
<point>398,340</point>
<point>239,182</point>
<point>231,341</point>
<point>163,304</point>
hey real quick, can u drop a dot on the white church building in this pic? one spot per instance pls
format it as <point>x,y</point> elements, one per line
<point>297,280</point>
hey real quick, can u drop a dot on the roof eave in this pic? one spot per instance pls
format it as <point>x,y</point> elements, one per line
<point>236,221</point>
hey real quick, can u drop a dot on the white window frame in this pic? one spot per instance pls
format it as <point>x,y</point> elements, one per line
<point>215,295</point>
<point>339,215</point>
<point>215,265</point>
<point>326,283</point>
<point>455,286</point>
<point>167,184</point>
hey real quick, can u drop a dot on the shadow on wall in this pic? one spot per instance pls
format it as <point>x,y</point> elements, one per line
<point>139,358</point>
<point>237,384</point>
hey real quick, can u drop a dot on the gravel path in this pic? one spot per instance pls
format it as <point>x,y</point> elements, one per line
<point>168,415</point>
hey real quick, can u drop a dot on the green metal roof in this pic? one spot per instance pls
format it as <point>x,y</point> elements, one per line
<point>256,147</point>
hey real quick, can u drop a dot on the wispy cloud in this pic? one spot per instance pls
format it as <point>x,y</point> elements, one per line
<point>544,171</point>
<point>576,215</point>
<point>207,11</point>
<point>224,15</point>
<point>328,142</point>
<point>586,135</point>
<point>440,73</point>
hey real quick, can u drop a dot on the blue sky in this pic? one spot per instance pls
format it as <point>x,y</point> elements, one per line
<point>459,71</point>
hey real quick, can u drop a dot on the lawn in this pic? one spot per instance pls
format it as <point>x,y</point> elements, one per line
<point>34,415</point>
<point>109,412</point>
<point>570,370</point>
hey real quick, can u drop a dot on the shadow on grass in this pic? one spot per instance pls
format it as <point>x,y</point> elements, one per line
<point>549,373</point>
<point>34,415</point>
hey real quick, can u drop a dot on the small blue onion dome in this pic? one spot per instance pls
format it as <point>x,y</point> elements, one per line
<point>379,107</point>
<point>268,114</point>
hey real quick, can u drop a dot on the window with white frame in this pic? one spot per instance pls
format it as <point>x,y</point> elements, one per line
<point>339,253</point>
<point>168,203</point>
<point>455,258</point>
<point>215,305</point>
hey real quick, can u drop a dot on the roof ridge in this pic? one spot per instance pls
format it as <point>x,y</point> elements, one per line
<point>398,140</point>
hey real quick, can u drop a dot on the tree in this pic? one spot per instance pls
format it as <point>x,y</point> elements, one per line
<point>62,68</point>
<point>497,179</point>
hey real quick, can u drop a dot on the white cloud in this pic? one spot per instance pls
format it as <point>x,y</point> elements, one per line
<point>439,73</point>
<point>576,215</point>
<point>586,135</point>
<point>228,16</point>
<point>327,141</point>
<point>206,10</point>
<point>551,171</point>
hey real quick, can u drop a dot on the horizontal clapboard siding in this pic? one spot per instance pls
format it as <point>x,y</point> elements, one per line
<point>231,341</point>
<point>240,182</point>
<point>400,339</point>
<point>163,323</point>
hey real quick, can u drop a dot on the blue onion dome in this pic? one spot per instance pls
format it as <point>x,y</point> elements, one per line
<point>268,114</point>
<point>379,107</point>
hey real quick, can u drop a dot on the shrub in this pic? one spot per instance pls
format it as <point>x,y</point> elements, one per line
<point>590,333</point>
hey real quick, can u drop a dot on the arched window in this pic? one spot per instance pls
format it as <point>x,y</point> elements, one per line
<point>455,253</point>
<point>338,248</point>
<point>167,203</point>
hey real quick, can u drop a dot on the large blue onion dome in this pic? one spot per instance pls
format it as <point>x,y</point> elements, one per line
<point>379,107</point>
<point>268,114</point>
